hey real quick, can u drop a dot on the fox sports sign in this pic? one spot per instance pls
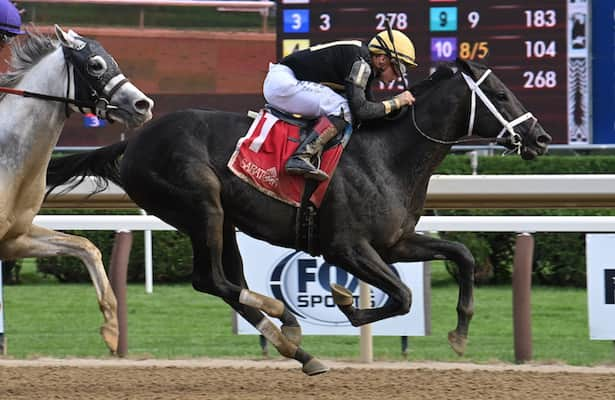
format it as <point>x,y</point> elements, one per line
<point>302,283</point>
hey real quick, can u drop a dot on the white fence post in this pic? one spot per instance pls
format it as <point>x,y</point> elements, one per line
<point>366,339</point>
<point>149,268</point>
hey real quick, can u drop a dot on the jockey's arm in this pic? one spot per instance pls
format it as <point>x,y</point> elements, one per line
<point>356,86</point>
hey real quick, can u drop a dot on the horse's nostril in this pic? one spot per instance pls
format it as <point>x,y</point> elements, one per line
<point>142,105</point>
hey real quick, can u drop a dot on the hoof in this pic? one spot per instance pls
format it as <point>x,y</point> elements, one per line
<point>457,342</point>
<point>314,367</point>
<point>341,295</point>
<point>110,335</point>
<point>292,333</point>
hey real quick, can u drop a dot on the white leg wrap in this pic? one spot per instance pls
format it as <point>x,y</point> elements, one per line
<point>250,298</point>
<point>271,332</point>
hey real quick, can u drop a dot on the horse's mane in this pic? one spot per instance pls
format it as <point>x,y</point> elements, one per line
<point>25,53</point>
<point>443,72</point>
<point>422,88</point>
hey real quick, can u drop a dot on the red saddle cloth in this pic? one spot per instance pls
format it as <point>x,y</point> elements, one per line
<point>260,156</point>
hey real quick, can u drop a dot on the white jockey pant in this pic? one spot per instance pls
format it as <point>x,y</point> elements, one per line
<point>310,99</point>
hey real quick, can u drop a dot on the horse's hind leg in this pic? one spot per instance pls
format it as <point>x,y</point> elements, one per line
<point>210,278</point>
<point>43,242</point>
<point>209,274</point>
<point>424,248</point>
<point>233,268</point>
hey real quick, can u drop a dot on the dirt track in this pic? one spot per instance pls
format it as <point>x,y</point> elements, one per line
<point>254,380</point>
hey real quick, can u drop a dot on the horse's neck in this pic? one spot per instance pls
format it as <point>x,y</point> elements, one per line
<point>441,117</point>
<point>31,127</point>
<point>444,110</point>
<point>414,158</point>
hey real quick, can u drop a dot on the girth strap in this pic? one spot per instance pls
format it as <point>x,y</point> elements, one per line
<point>306,226</point>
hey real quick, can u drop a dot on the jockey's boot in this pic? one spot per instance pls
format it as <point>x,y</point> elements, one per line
<point>300,163</point>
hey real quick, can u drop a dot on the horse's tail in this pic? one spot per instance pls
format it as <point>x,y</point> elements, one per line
<point>103,164</point>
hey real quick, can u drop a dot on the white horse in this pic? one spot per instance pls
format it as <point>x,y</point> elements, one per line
<point>46,81</point>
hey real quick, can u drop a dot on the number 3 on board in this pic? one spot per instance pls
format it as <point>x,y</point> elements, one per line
<point>296,21</point>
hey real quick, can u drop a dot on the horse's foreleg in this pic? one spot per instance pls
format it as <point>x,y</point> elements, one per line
<point>233,270</point>
<point>43,242</point>
<point>218,270</point>
<point>414,248</point>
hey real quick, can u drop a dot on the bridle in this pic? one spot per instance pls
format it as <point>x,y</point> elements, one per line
<point>94,102</point>
<point>91,100</point>
<point>514,138</point>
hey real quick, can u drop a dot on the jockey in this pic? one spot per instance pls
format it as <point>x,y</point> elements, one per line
<point>332,81</point>
<point>10,22</point>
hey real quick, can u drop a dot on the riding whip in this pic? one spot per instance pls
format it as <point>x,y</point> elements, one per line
<point>402,68</point>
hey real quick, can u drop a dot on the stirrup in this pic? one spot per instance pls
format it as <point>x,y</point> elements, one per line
<point>316,174</point>
<point>298,166</point>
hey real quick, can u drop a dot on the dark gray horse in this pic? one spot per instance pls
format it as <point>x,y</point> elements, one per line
<point>175,168</point>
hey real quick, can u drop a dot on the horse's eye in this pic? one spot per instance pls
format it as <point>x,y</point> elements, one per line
<point>502,96</point>
<point>97,66</point>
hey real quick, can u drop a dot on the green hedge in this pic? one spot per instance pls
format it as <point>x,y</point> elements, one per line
<point>179,17</point>
<point>11,272</point>
<point>559,258</point>
<point>171,251</point>
<point>550,164</point>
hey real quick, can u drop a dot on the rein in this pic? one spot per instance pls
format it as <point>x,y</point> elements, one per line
<point>65,100</point>
<point>508,126</point>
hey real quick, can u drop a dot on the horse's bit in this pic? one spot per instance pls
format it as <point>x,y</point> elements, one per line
<point>508,126</point>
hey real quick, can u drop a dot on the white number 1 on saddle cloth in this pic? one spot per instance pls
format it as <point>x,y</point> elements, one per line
<point>269,121</point>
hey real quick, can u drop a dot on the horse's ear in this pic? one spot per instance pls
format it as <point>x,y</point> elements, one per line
<point>61,35</point>
<point>465,67</point>
<point>70,39</point>
<point>441,73</point>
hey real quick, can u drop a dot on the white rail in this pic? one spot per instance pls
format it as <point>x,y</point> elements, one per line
<point>445,191</point>
<point>518,224</point>
<point>102,222</point>
<point>521,191</point>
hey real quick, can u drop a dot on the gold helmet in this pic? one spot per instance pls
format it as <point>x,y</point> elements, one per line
<point>401,47</point>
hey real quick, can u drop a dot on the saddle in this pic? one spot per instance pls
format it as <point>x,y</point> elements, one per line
<point>305,125</point>
<point>260,156</point>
